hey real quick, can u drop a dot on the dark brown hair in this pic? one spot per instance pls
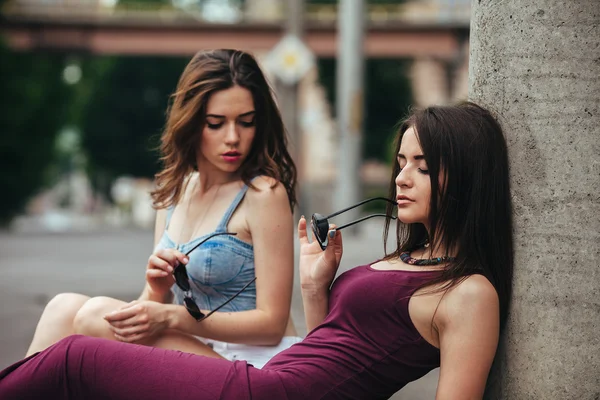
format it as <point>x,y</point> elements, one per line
<point>473,212</point>
<point>207,73</point>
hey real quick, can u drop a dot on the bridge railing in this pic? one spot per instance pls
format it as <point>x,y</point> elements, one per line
<point>414,12</point>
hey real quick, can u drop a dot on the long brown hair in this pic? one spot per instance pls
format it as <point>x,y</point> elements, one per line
<point>207,73</point>
<point>473,212</point>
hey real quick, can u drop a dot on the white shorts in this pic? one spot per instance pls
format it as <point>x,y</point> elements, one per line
<point>255,355</point>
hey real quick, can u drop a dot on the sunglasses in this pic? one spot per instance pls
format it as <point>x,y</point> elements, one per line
<point>183,282</point>
<point>320,224</point>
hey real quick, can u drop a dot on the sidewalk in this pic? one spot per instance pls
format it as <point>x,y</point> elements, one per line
<point>111,262</point>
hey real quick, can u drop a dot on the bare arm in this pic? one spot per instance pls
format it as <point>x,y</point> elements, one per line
<point>317,271</point>
<point>159,228</point>
<point>270,222</point>
<point>468,331</point>
<point>316,308</point>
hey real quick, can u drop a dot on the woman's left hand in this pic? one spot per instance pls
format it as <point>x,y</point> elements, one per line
<point>318,267</point>
<point>137,320</point>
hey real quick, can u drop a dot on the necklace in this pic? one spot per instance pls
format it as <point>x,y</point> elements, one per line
<point>405,257</point>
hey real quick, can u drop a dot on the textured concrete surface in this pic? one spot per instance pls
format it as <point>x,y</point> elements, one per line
<point>537,63</point>
<point>36,267</point>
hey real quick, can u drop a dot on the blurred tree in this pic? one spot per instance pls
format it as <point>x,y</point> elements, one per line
<point>145,4</point>
<point>124,114</point>
<point>34,109</point>
<point>388,96</point>
<point>387,99</point>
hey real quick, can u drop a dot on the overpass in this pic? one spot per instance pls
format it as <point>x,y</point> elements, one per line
<point>415,29</point>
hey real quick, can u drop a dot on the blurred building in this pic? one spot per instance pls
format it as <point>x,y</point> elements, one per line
<point>431,33</point>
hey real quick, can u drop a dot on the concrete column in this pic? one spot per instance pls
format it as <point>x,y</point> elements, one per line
<point>537,64</point>
<point>350,107</point>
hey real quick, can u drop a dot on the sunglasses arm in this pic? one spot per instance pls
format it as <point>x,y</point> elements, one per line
<point>228,300</point>
<point>362,219</point>
<point>357,205</point>
<point>210,237</point>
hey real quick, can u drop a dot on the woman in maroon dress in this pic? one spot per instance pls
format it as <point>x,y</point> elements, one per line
<point>437,300</point>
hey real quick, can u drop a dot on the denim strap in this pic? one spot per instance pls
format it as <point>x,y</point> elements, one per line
<point>222,227</point>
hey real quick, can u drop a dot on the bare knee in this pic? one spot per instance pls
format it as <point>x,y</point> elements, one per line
<point>89,320</point>
<point>64,306</point>
<point>56,321</point>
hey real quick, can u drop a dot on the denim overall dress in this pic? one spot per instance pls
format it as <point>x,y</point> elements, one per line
<point>218,269</point>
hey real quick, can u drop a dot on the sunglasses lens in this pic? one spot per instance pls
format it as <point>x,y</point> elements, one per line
<point>192,308</point>
<point>181,277</point>
<point>320,227</point>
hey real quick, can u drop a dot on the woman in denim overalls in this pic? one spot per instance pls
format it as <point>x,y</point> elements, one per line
<point>226,169</point>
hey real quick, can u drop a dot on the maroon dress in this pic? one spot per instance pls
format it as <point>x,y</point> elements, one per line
<point>367,348</point>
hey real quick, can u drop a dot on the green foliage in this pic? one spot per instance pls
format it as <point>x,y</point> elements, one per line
<point>124,114</point>
<point>388,96</point>
<point>144,5</point>
<point>34,109</point>
<point>387,99</point>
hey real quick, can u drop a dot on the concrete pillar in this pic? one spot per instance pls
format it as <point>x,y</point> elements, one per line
<point>537,64</point>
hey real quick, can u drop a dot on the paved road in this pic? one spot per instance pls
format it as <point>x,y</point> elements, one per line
<point>35,267</point>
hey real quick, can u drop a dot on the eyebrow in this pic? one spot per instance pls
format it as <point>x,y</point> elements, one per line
<point>417,157</point>
<point>246,114</point>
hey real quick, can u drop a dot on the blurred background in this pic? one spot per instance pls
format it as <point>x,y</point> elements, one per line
<point>85,86</point>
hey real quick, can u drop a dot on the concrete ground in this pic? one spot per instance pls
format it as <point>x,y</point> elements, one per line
<point>36,266</point>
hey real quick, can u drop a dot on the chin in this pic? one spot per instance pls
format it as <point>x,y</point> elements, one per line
<point>409,219</point>
<point>231,168</point>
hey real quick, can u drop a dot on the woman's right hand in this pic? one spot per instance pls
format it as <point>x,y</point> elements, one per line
<point>318,267</point>
<point>159,271</point>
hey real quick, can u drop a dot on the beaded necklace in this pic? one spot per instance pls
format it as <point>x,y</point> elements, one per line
<point>405,257</point>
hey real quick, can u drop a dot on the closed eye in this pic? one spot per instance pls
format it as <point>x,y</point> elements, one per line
<point>247,124</point>
<point>214,126</point>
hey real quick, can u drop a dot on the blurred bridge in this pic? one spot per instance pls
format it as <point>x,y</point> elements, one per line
<point>416,29</point>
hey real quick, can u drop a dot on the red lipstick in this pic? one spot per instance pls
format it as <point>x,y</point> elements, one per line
<point>231,156</point>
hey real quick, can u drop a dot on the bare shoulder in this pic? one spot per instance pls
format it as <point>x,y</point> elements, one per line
<point>474,297</point>
<point>161,215</point>
<point>266,189</point>
<point>264,182</point>
<point>268,210</point>
<point>474,287</point>
<point>160,224</point>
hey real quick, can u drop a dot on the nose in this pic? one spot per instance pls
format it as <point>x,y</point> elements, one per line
<point>232,136</point>
<point>403,178</point>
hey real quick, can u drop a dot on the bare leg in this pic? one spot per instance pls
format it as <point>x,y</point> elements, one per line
<point>56,321</point>
<point>177,340</point>
<point>89,321</point>
<point>290,329</point>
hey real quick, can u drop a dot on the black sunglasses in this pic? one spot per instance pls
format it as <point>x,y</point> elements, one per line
<point>183,282</point>
<point>320,224</point>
